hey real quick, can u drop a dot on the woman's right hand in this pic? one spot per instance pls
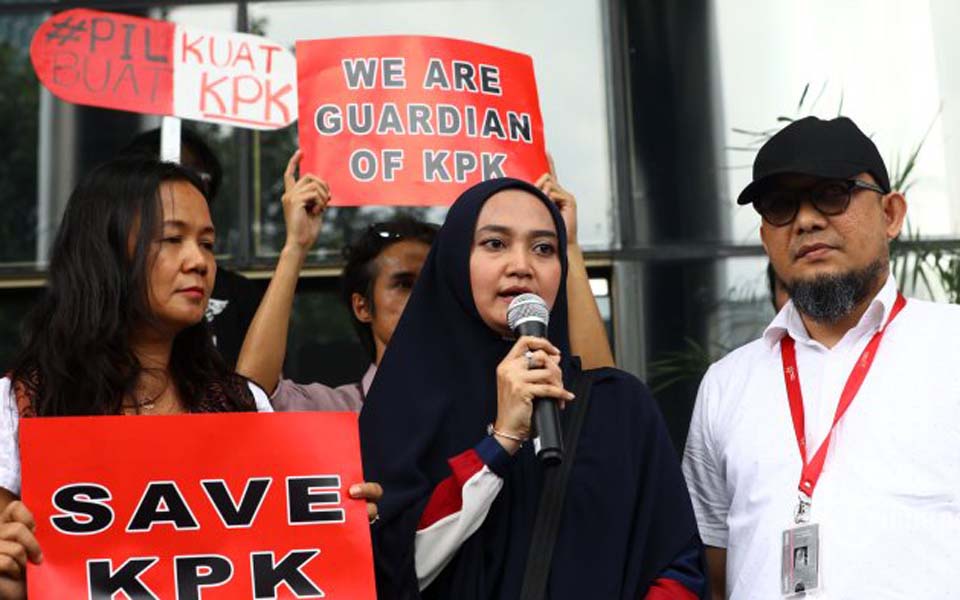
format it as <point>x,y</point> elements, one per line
<point>304,202</point>
<point>17,546</point>
<point>521,379</point>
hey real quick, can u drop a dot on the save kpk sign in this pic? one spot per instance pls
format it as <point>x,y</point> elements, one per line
<point>224,505</point>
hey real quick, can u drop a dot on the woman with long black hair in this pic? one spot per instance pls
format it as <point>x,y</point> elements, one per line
<point>446,425</point>
<point>120,328</point>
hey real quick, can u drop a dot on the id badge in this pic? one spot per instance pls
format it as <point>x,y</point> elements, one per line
<point>800,572</point>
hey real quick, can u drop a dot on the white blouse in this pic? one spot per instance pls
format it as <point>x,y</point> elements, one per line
<point>9,425</point>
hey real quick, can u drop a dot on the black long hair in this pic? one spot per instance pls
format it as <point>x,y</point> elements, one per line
<point>76,357</point>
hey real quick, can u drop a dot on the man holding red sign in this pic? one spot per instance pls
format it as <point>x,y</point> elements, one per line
<point>415,120</point>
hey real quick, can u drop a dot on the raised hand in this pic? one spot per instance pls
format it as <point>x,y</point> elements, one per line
<point>548,184</point>
<point>304,202</point>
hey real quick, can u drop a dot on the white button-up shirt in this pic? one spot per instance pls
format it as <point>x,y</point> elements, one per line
<point>888,500</point>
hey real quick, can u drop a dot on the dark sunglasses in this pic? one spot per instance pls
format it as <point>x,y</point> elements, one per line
<point>389,232</point>
<point>779,206</point>
<point>383,231</point>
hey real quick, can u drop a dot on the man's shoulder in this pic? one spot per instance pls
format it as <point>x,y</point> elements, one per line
<point>734,383</point>
<point>935,309</point>
<point>741,359</point>
<point>929,320</point>
<point>292,396</point>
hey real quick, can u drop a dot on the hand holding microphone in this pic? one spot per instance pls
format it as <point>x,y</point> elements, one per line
<point>530,383</point>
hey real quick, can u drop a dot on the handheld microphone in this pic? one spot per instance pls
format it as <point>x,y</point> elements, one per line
<point>528,315</point>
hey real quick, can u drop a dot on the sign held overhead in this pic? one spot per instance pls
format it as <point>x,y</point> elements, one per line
<point>156,67</point>
<point>415,120</point>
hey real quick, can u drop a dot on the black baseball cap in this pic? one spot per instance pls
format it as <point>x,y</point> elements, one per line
<point>834,149</point>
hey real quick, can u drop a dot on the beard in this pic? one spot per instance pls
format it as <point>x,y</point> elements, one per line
<point>829,298</point>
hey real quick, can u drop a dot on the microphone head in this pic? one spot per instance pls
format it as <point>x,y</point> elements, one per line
<point>527,307</point>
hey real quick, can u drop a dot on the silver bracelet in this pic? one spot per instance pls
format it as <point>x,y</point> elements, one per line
<point>492,431</point>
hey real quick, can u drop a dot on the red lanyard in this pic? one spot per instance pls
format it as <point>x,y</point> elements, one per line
<point>811,470</point>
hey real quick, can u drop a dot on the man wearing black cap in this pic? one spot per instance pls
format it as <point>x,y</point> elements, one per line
<point>839,429</point>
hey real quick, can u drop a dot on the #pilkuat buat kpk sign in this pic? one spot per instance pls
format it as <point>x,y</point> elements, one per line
<point>156,67</point>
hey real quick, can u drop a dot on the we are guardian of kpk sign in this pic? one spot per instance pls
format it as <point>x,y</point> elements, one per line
<point>415,120</point>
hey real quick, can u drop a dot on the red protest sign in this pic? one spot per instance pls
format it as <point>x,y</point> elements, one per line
<point>156,67</point>
<point>415,120</point>
<point>227,506</point>
<point>106,59</point>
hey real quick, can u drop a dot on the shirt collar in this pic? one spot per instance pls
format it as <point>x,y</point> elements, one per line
<point>367,380</point>
<point>788,319</point>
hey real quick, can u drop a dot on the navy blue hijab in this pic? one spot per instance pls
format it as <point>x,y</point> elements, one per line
<point>627,513</point>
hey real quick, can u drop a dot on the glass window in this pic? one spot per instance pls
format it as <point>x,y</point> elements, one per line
<point>711,308</point>
<point>600,283</point>
<point>20,101</point>
<point>14,306</point>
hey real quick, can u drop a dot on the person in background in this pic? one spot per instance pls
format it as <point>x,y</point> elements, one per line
<point>844,416</point>
<point>235,298</point>
<point>382,267</point>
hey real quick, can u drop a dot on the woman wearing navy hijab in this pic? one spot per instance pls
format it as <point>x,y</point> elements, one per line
<point>444,422</point>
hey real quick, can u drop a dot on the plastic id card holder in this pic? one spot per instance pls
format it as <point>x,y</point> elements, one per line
<point>800,570</point>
